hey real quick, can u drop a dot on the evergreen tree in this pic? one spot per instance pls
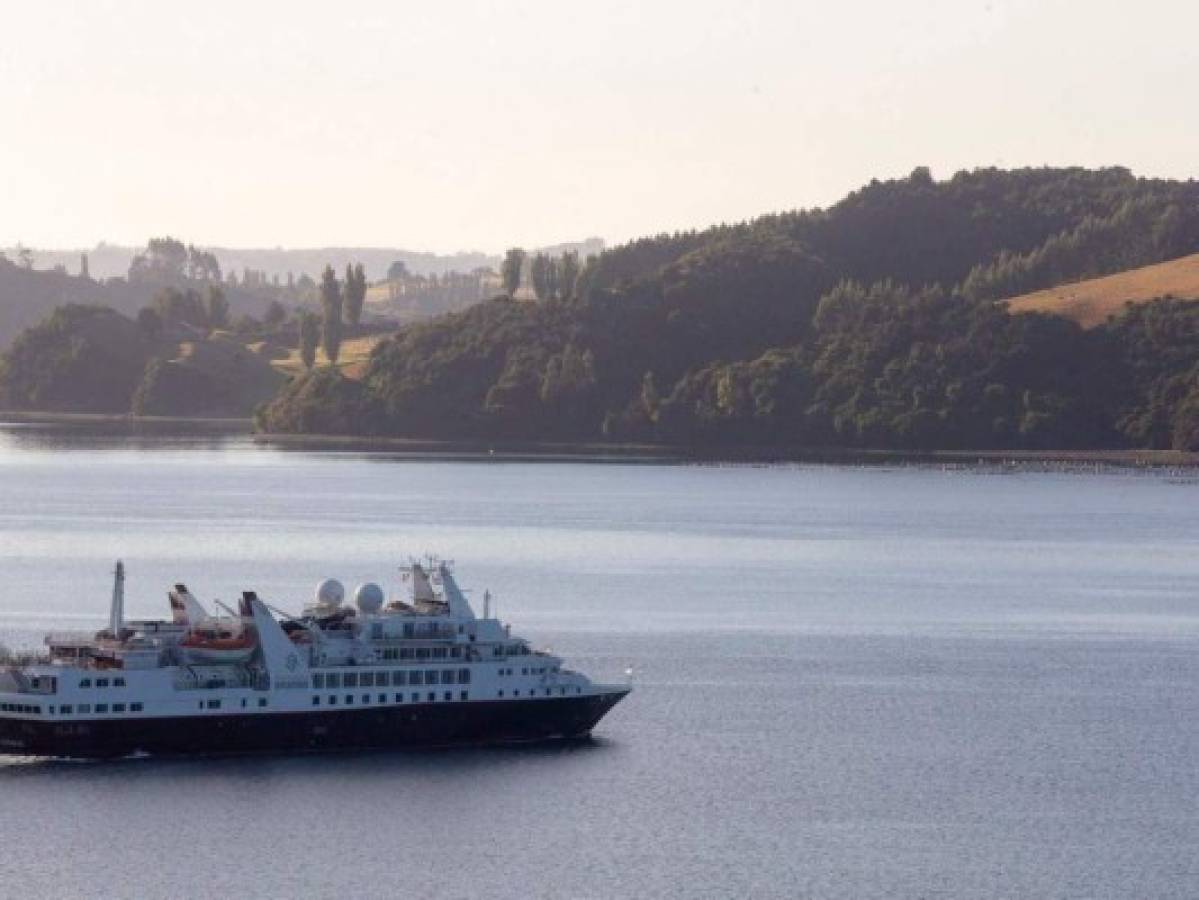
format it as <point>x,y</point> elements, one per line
<point>568,274</point>
<point>540,274</point>
<point>510,270</point>
<point>355,292</point>
<point>216,307</point>
<point>331,303</point>
<point>310,337</point>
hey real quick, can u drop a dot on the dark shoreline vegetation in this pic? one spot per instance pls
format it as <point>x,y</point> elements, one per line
<point>872,326</point>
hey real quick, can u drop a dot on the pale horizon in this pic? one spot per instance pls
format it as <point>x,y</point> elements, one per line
<point>475,126</point>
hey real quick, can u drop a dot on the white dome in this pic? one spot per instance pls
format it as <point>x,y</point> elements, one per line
<point>369,597</point>
<point>330,592</point>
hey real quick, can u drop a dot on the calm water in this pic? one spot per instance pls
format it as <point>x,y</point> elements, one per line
<point>850,682</point>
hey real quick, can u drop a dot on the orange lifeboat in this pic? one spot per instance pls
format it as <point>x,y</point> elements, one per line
<point>213,647</point>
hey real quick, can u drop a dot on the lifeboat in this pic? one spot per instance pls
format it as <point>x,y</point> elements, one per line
<point>214,647</point>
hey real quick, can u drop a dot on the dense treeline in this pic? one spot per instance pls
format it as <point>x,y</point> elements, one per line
<point>870,324</point>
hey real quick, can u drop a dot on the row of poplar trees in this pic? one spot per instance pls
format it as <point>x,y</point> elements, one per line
<point>341,303</point>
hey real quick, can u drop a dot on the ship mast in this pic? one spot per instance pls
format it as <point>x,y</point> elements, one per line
<point>116,616</point>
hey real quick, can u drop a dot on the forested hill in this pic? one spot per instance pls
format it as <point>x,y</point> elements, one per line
<point>871,323</point>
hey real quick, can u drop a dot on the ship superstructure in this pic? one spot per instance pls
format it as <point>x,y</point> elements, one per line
<point>423,671</point>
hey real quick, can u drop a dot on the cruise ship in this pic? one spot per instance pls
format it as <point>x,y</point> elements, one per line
<point>423,671</point>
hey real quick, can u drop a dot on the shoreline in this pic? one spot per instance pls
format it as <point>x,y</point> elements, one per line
<point>23,417</point>
<point>550,451</point>
<point>663,453</point>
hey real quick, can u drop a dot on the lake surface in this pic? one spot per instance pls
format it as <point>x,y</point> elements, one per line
<point>850,682</point>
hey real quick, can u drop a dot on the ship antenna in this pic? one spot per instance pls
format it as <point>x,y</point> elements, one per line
<point>487,604</point>
<point>116,615</point>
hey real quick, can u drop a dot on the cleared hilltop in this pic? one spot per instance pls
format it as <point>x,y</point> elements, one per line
<point>1090,303</point>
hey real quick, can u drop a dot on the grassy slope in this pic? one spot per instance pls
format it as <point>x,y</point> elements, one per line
<point>1090,302</point>
<point>351,360</point>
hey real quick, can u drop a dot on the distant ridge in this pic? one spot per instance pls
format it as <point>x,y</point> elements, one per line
<point>108,260</point>
<point>1090,302</point>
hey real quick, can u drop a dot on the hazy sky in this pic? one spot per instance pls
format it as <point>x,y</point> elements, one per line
<point>457,125</point>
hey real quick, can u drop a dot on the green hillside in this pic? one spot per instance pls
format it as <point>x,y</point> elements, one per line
<point>869,324</point>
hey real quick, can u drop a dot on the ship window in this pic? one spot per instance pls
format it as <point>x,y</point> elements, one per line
<point>318,680</point>
<point>316,700</point>
<point>382,698</point>
<point>376,630</point>
<point>447,676</point>
<point>415,678</point>
<point>398,678</point>
<point>524,671</point>
<point>85,682</point>
<point>333,680</point>
<point>456,652</point>
<point>501,693</point>
<point>101,707</point>
<point>549,692</point>
<point>407,653</point>
<point>408,630</point>
<point>498,651</point>
<point>432,697</point>
<point>464,676</point>
<point>214,704</point>
<point>85,708</point>
<point>449,695</point>
<point>366,698</point>
<point>415,697</point>
<point>65,709</point>
<point>350,679</point>
<point>349,699</point>
<point>262,701</point>
<point>118,707</point>
<point>243,702</point>
<point>101,682</point>
<point>399,698</point>
<point>135,707</point>
<point>439,652</point>
<point>368,679</point>
<point>118,682</point>
<point>422,652</point>
<point>332,700</point>
<point>516,693</point>
<point>431,676</point>
<point>462,695</point>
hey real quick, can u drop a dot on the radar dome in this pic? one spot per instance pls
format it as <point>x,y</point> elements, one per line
<point>369,598</point>
<point>330,592</point>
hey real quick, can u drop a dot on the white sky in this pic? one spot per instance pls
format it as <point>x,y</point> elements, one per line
<point>472,125</point>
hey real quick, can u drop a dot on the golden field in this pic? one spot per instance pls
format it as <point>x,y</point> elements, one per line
<point>1091,302</point>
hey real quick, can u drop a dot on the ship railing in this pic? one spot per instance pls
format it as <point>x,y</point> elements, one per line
<point>70,638</point>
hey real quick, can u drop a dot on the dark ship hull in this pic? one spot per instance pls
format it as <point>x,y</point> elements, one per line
<point>402,725</point>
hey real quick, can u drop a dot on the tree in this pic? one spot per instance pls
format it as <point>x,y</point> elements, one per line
<point>568,274</point>
<point>510,270</point>
<point>216,307</point>
<point>174,305</point>
<point>540,274</point>
<point>164,260</point>
<point>83,271</point>
<point>275,315</point>
<point>355,293</point>
<point>331,301</point>
<point>398,271</point>
<point>24,256</point>
<point>310,337</point>
<point>150,322</point>
<point>202,265</point>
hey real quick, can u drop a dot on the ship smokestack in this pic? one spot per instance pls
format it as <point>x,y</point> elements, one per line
<point>116,617</point>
